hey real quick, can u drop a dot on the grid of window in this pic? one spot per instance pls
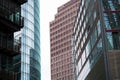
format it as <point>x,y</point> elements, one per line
<point>30,47</point>
<point>91,45</point>
<point>60,41</point>
<point>87,38</point>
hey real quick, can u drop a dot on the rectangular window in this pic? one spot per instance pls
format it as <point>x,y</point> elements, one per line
<point>98,28</point>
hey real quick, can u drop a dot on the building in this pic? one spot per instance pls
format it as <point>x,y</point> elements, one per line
<point>61,30</point>
<point>10,21</point>
<point>29,63</point>
<point>96,40</point>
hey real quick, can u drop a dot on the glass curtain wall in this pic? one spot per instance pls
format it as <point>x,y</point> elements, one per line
<point>112,22</point>
<point>93,40</point>
<point>30,41</point>
<point>88,42</point>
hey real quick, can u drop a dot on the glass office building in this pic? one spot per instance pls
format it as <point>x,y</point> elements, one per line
<point>10,21</point>
<point>96,40</point>
<point>30,42</point>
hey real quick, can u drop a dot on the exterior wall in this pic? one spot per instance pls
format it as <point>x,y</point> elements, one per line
<point>96,40</point>
<point>30,42</point>
<point>10,21</point>
<point>88,46</point>
<point>61,30</point>
<point>114,56</point>
<point>30,58</point>
<point>112,22</point>
<point>112,29</point>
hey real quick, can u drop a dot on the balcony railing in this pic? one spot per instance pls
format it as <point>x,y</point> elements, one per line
<point>12,16</point>
<point>7,75</point>
<point>10,48</point>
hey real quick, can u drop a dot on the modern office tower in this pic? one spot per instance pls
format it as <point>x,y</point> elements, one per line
<point>96,40</point>
<point>30,42</point>
<point>10,22</point>
<point>61,30</point>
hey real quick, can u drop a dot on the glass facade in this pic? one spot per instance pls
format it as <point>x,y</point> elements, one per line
<point>10,21</point>
<point>96,40</point>
<point>88,42</point>
<point>112,22</point>
<point>30,41</point>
